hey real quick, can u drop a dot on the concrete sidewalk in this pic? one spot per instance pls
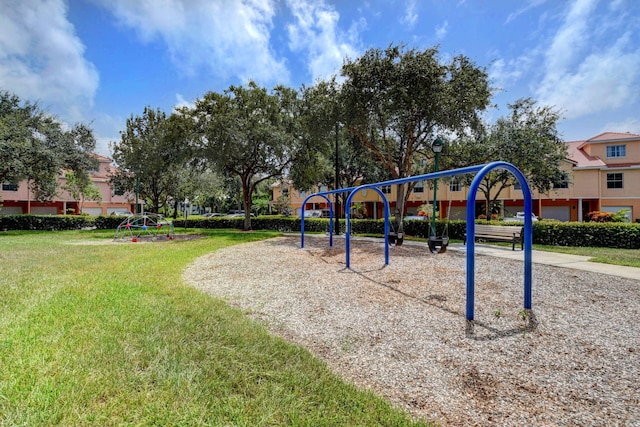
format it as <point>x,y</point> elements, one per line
<point>557,259</point>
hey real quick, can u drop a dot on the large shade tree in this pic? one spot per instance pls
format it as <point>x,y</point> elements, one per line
<point>397,101</point>
<point>150,154</point>
<point>248,132</point>
<point>527,138</point>
<point>37,147</point>
<point>327,155</point>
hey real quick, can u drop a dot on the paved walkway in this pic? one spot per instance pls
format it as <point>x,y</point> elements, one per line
<point>557,259</point>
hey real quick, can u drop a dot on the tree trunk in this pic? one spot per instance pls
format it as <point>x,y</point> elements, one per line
<point>487,196</point>
<point>246,202</point>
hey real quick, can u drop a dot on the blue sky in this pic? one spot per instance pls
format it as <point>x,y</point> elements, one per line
<point>100,61</point>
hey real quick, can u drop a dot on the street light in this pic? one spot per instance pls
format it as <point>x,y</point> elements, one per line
<point>437,145</point>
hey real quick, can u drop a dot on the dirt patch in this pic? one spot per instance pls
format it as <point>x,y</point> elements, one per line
<point>139,239</point>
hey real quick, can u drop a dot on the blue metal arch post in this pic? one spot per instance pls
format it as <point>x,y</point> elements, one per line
<point>348,222</point>
<point>471,228</point>
<point>304,203</point>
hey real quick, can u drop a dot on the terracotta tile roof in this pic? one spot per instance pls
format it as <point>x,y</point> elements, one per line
<point>582,159</point>
<point>100,158</point>
<point>612,136</point>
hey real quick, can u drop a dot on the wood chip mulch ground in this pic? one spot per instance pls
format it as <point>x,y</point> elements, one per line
<point>400,330</point>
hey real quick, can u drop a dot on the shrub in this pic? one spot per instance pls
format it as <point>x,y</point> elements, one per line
<point>598,216</point>
<point>108,222</point>
<point>44,222</point>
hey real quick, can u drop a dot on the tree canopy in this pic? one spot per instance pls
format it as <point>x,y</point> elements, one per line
<point>248,132</point>
<point>149,155</point>
<point>396,101</point>
<point>527,138</point>
<point>327,154</point>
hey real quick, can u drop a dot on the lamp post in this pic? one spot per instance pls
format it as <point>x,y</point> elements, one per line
<point>437,145</point>
<point>137,192</point>
<point>336,229</point>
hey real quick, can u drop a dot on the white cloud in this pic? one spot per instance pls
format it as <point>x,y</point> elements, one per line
<point>441,30</point>
<point>225,38</point>
<point>505,73</point>
<point>569,42</point>
<point>42,59</point>
<point>411,16</point>
<point>584,72</point>
<point>181,102</point>
<point>530,4</point>
<point>315,31</point>
<point>631,125</point>
<point>106,129</point>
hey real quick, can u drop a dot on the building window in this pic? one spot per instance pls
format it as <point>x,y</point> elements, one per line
<point>455,186</point>
<point>517,185</point>
<point>9,187</point>
<point>616,151</point>
<point>118,189</point>
<point>562,182</point>
<point>302,193</point>
<point>386,189</point>
<point>419,187</point>
<point>285,192</point>
<point>615,180</point>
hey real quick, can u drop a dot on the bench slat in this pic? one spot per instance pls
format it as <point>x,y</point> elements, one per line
<point>499,233</point>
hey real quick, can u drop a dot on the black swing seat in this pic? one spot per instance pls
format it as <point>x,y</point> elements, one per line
<point>438,244</point>
<point>395,238</point>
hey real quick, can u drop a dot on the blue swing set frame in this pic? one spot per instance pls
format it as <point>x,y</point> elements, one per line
<point>481,171</point>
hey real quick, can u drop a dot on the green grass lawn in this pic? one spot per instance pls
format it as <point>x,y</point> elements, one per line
<point>93,333</point>
<point>628,257</point>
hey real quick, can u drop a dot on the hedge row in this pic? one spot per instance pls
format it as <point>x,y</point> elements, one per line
<point>555,233</point>
<point>416,228</point>
<point>45,222</point>
<point>588,234</point>
<point>56,223</point>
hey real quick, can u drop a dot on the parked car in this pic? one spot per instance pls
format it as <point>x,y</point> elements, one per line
<point>414,218</point>
<point>313,213</point>
<point>519,217</point>
<point>121,212</point>
<point>212,214</point>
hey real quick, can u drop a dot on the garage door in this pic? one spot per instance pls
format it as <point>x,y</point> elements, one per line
<point>92,211</point>
<point>11,210</point>
<point>562,213</point>
<point>44,210</point>
<point>458,212</point>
